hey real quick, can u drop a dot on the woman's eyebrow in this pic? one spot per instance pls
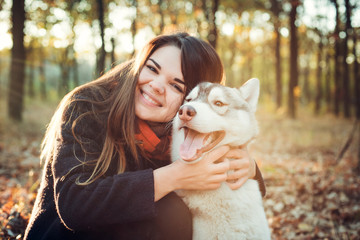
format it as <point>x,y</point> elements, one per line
<point>159,67</point>
<point>156,64</point>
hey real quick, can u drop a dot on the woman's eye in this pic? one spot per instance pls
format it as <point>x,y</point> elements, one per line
<point>178,88</point>
<point>151,68</point>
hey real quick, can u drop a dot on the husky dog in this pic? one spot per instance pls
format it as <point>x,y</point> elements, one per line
<point>214,115</point>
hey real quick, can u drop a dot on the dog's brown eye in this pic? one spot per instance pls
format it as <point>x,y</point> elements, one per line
<point>219,104</point>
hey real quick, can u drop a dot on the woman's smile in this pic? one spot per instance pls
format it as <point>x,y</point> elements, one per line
<point>150,100</point>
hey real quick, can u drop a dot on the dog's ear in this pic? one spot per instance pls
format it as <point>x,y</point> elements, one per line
<point>250,91</point>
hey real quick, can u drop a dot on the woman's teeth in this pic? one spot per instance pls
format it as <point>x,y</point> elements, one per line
<point>148,98</point>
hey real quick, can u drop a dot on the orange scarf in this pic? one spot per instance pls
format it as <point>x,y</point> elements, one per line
<point>155,147</point>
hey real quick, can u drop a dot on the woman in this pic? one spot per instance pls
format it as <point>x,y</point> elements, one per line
<point>107,172</point>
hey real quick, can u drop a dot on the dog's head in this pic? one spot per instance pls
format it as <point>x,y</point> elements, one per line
<point>214,115</point>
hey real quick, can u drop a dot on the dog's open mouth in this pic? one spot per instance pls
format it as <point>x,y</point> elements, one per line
<point>196,143</point>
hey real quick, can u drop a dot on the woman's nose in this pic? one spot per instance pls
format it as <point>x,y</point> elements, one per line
<point>158,86</point>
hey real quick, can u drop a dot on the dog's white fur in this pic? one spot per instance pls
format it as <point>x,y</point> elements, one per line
<point>224,213</point>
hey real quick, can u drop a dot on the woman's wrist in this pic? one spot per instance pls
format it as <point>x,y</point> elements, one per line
<point>164,181</point>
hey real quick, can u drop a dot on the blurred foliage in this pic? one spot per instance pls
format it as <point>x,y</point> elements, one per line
<point>62,40</point>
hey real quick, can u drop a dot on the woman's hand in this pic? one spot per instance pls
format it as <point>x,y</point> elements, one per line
<point>206,174</point>
<point>242,167</point>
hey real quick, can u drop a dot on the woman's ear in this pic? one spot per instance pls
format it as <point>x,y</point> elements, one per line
<point>250,91</point>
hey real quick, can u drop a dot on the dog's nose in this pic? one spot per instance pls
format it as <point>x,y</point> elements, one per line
<point>186,113</point>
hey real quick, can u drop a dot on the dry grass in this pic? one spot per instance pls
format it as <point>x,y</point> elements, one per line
<point>309,194</point>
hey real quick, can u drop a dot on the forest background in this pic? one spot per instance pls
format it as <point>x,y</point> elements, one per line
<point>306,54</point>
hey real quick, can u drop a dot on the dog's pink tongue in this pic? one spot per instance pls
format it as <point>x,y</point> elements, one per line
<point>193,141</point>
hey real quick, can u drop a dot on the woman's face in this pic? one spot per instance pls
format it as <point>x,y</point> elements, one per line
<point>161,87</point>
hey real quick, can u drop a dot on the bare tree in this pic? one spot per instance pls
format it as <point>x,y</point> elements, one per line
<point>319,92</point>
<point>346,78</point>
<point>328,79</point>
<point>161,5</point>
<point>293,81</point>
<point>356,76</point>
<point>276,10</point>
<point>306,82</point>
<point>134,4</point>
<point>210,8</point>
<point>31,76</point>
<point>17,71</point>
<point>100,66</point>
<point>337,57</point>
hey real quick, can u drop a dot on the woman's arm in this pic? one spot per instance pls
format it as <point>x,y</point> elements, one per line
<point>117,198</point>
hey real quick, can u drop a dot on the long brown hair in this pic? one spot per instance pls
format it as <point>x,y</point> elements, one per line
<point>114,94</point>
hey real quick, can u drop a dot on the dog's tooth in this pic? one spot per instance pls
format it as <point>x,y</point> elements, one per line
<point>208,139</point>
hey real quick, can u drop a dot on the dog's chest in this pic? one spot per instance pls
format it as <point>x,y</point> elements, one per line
<point>223,202</point>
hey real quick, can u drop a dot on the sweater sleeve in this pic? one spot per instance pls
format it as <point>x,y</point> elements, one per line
<point>258,177</point>
<point>114,199</point>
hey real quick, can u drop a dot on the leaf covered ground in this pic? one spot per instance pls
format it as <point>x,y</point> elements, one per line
<point>309,194</point>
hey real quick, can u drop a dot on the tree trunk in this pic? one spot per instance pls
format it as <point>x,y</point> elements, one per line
<point>30,85</point>
<point>337,61</point>
<point>133,24</point>
<point>64,81</point>
<point>42,77</point>
<point>161,13</point>
<point>276,10</point>
<point>278,66</point>
<point>101,53</point>
<point>356,78</point>
<point>346,79</point>
<point>328,79</point>
<point>319,77</point>
<point>31,70</point>
<point>358,155</point>
<point>213,34</point>
<point>17,70</point>
<point>293,81</point>
<point>112,54</point>
<point>1,80</point>
<point>306,88</point>
<point>75,69</point>
<point>70,58</point>
<point>210,17</point>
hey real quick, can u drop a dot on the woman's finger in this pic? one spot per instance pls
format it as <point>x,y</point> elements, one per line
<point>217,153</point>
<point>221,167</point>
<point>235,175</point>
<point>239,163</point>
<point>237,153</point>
<point>237,184</point>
